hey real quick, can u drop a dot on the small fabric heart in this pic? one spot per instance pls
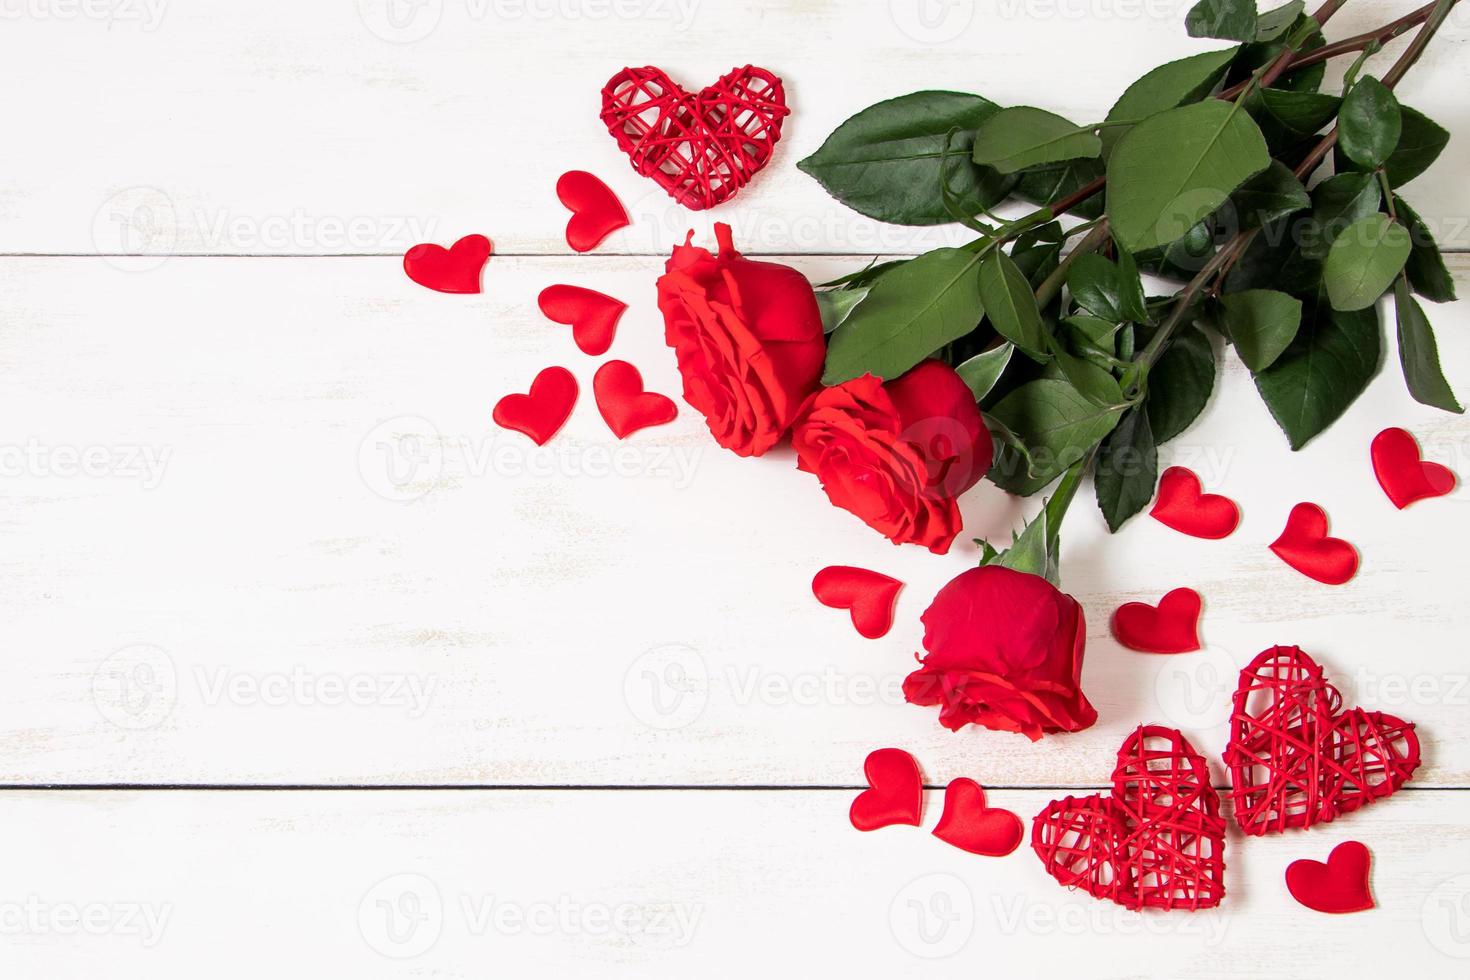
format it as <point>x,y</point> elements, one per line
<point>895,794</point>
<point>867,596</point>
<point>625,406</point>
<point>596,210</point>
<point>542,412</point>
<point>1170,627</point>
<point>593,316</point>
<point>969,824</point>
<point>1183,505</point>
<point>1340,885</point>
<point>455,269</point>
<point>1297,757</point>
<point>1305,546</point>
<point>1402,474</point>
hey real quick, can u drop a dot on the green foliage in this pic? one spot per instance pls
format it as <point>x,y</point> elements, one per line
<point>1261,323</point>
<point>1166,87</point>
<point>1326,368</point>
<point>1419,354</point>
<point>1011,304</point>
<point>1369,124</point>
<point>1021,137</point>
<point>1364,261</point>
<point>1233,20</point>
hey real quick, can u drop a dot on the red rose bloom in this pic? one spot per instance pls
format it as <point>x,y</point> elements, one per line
<point>748,337</point>
<point>897,454</point>
<point>1004,651</point>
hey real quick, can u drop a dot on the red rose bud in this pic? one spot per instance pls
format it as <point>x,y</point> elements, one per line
<point>748,338</point>
<point>897,454</point>
<point>1004,651</point>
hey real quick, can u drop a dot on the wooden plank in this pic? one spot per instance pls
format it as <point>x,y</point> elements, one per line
<point>286,128</point>
<point>235,589</point>
<point>653,884</point>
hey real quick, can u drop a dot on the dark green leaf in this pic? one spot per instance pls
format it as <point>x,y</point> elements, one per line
<point>1419,354</point>
<point>1364,261</point>
<point>1333,358</point>
<point>1097,384</point>
<point>1234,20</point>
<point>1024,136</point>
<point>863,277</point>
<point>1165,87</point>
<point>1102,288</point>
<point>884,162</point>
<point>1183,258</point>
<point>1287,117</point>
<point>1261,324</point>
<point>836,304</point>
<point>1420,143</point>
<point>1175,168</point>
<point>1056,423</point>
<point>1338,203</point>
<point>1269,196</point>
<point>1127,469</point>
<point>982,371</point>
<point>1179,384</point>
<point>1368,125</point>
<point>1045,185</point>
<point>1426,269</point>
<point>1274,23</point>
<point>1275,259</point>
<point>1011,304</point>
<point>910,313</point>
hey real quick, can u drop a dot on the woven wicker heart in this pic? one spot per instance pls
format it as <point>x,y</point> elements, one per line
<point>1296,758</point>
<point>702,147</point>
<point>1158,842</point>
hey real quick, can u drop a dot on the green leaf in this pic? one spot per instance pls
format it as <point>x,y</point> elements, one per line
<point>1261,323</point>
<point>1338,203</point>
<point>1234,20</point>
<point>1287,117</point>
<point>1274,23</point>
<point>910,313</point>
<point>1364,261</point>
<point>1419,354</point>
<point>1173,169</point>
<point>1097,384</point>
<point>1057,423</point>
<point>1127,469</point>
<point>1269,196</point>
<point>1103,289</point>
<point>1165,87</point>
<point>1325,369</point>
<point>982,371</point>
<point>1420,141</point>
<point>1369,124</point>
<point>1023,136</point>
<point>836,304</point>
<point>1426,268</point>
<point>1046,185</point>
<point>1011,305</point>
<point>884,162</point>
<point>1256,55</point>
<point>1179,384</point>
<point>1183,258</point>
<point>1033,551</point>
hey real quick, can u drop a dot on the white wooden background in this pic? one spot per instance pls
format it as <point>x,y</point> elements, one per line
<point>261,544</point>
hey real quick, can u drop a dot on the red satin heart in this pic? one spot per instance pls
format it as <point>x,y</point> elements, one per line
<point>1158,842</point>
<point>700,148</point>
<point>593,316</point>
<point>1402,474</point>
<point>1305,546</point>
<point>596,211</point>
<point>970,825</point>
<point>1171,627</point>
<point>543,411</point>
<point>1297,758</point>
<point>867,596</point>
<point>1184,506</point>
<point>625,406</point>
<point>896,792</point>
<point>1340,885</point>
<point>449,270</point>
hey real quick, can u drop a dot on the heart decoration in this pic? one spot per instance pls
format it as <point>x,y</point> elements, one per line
<point>1296,758</point>
<point>1158,842</point>
<point>1402,474</point>
<point>542,412</point>
<point>1340,885</point>
<point>449,270</point>
<point>895,794</point>
<point>1183,505</point>
<point>867,596</point>
<point>596,210</point>
<point>701,148</point>
<point>593,316</point>
<point>969,824</point>
<point>625,406</point>
<point>1171,627</point>
<point>1305,546</point>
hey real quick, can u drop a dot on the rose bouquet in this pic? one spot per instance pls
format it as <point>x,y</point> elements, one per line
<point>1034,353</point>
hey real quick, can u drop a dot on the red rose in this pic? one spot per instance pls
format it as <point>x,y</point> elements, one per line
<point>897,454</point>
<point>748,337</point>
<point>1004,651</point>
